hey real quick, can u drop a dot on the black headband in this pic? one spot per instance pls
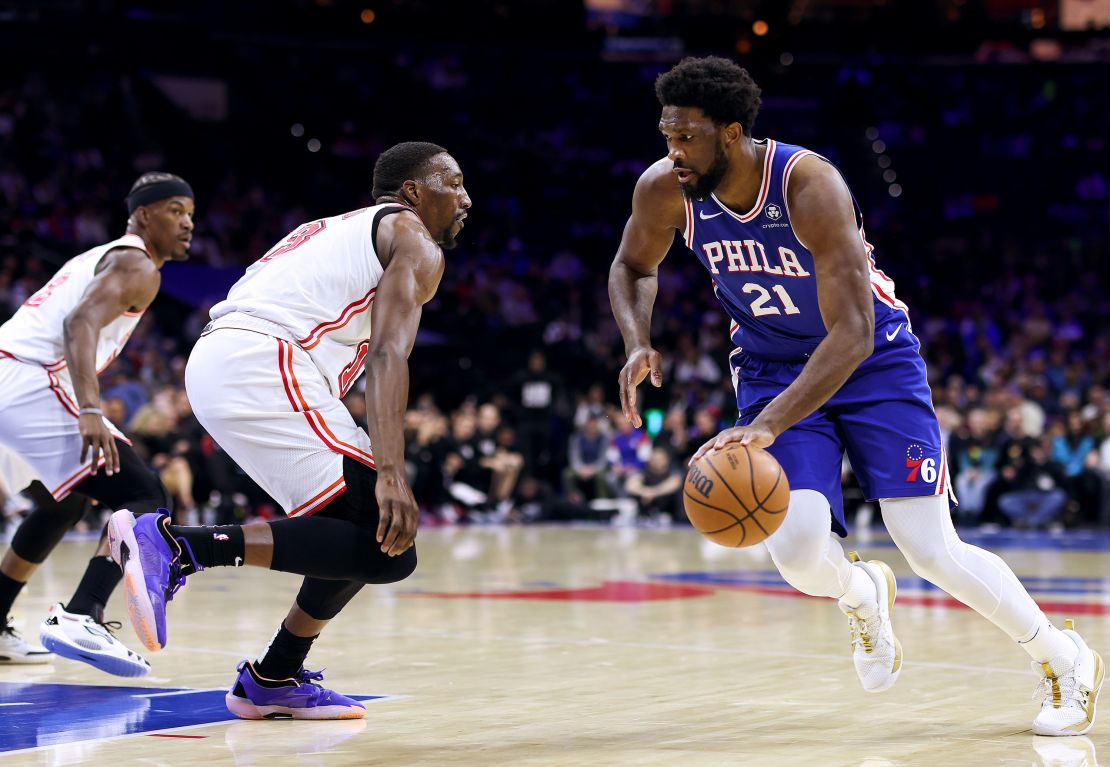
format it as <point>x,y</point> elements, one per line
<point>159,190</point>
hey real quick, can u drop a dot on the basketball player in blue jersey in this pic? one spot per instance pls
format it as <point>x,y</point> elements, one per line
<point>826,362</point>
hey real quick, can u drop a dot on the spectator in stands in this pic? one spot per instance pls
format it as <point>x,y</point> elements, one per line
<point>586,476</point>
<point>657,487</point>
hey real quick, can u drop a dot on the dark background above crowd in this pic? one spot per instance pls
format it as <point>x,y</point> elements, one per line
<point>973,134</point>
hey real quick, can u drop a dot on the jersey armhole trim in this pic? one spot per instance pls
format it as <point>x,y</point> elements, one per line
<point>786,171</point>
<point>688,235</point>
<point>385,211</point>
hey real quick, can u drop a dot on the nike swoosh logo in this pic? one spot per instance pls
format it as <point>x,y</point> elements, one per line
<point>701,214</point>
<point>890,336</point>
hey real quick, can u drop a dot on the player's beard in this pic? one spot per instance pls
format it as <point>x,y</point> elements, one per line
<point>707,182</point>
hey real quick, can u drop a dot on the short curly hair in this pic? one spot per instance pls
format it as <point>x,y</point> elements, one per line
<point>721,88</point>
<point>400,163</point>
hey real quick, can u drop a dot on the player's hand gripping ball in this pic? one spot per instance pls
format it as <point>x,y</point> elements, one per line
<point>737,496</point>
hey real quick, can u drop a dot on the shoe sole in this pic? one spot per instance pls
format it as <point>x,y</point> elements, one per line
<point>244,709</point>
<point>107,663</point>
<point>125,548</point>
<point>26,660</point>
<point>891,595</point>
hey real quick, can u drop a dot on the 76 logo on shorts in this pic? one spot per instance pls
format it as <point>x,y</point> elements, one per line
<point>919,465</point>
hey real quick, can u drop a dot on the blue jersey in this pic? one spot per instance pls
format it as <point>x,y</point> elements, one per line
<point>762,274</point>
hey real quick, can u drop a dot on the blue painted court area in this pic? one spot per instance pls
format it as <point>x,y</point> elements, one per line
<point>34,715</point>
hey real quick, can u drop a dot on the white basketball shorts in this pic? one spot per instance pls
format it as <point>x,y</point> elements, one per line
<point>263,400</point>
<point>38,420</point>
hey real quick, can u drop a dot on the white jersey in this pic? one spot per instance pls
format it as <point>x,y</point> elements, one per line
<point>35,333</point>
<point>317,285</point>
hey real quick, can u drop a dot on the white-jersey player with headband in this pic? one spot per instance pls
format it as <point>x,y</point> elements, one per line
<point>51,352</point>
<point>337,296</point>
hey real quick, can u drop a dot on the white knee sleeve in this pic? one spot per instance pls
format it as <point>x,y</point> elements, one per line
<point>806,552</point>
<point>922,529</point>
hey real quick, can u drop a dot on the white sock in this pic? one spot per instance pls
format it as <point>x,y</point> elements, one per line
<point>922,528</point>
<point>1046,642</point>
<point>861,589</point>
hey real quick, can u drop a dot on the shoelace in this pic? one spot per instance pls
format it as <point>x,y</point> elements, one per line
<point>177,568</point>
<point>110,626</point>
<point>304,676</point>
<point>1069,690</point>
<point>860,631</point>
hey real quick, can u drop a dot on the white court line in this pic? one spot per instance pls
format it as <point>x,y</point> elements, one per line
<point>17,704</point>
<point>178,692</point>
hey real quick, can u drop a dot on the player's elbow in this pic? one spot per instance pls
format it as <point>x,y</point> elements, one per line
<point>856,333</point>
<point>73,321</point>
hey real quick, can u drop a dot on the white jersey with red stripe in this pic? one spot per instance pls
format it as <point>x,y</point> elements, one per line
<point>318,285</point>
<point>36,333</point>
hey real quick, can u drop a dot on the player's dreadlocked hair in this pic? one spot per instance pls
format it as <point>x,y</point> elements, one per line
<point>719,87</point>
<point>401,163</point>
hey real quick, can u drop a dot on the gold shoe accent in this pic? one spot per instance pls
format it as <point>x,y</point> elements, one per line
<point>1050,675</point>
<point>853,556</point>
<point>1069,624</point>
<point>1089,698</point>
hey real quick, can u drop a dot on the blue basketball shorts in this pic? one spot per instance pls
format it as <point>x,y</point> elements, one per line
<point>882,418</point>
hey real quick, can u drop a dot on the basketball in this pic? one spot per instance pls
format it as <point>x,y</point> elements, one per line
<point>737,496</point>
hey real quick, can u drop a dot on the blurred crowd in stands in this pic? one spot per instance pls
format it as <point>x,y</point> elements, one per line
<point>984,189</point>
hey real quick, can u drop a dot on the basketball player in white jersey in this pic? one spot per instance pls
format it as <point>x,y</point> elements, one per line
<point>51,352</point>
<point>266,379</point>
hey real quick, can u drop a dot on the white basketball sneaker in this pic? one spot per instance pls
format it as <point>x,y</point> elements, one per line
<point>877,653</point>
<point>15,651</point>
<point>1068,690</point>
<point>80,637</point>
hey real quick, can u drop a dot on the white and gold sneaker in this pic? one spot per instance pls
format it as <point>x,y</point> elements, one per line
<point>877,653</point>
<point>1068,690</point>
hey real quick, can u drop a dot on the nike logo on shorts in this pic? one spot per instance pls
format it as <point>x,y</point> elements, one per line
<point>890,336</point>
<point>701,214</point>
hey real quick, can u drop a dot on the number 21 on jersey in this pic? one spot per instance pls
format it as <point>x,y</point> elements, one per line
<point>764,303</point>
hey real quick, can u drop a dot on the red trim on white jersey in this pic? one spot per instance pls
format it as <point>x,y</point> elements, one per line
<point>764,188</point>
<point>351,311</point>
<point>64,489</point>
<point>71,406</point>
<point>314,418</point>
<point>321,499</point>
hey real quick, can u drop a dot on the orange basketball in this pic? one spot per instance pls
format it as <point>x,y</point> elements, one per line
<point>737,496</point>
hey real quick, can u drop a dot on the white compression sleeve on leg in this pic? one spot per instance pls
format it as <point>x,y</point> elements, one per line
<point>809,556</point>
<point>922,528</point>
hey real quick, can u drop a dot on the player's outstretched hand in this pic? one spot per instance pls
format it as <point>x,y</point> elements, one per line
<point>756,436</point>
<point>398,513</point>
<point>96,438</point>
<point>641,361</point>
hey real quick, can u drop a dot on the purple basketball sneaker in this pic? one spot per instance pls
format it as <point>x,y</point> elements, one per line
<point>152,570</point>
<point>255,697</point>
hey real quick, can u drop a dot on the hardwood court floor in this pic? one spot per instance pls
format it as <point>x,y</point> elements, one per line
<point>568,646</point>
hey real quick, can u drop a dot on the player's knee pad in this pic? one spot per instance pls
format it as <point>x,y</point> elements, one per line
<point>381,568</point>
<point>323,599</point>
<point>46,525</point>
